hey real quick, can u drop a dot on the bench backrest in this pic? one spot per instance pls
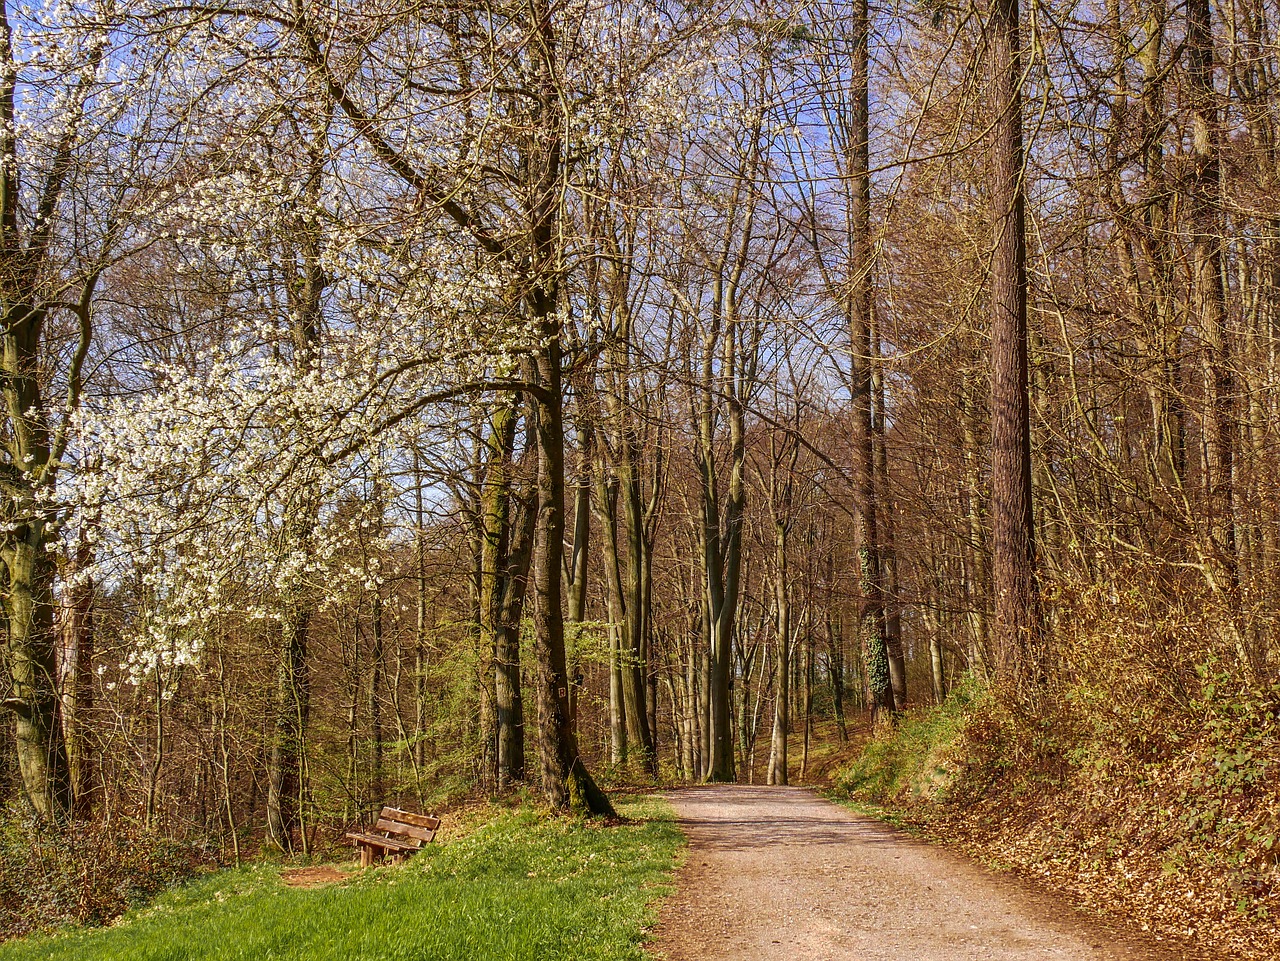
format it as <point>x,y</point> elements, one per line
<point>416,827</point>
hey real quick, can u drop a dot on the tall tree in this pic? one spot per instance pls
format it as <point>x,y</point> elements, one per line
<point>507,517</point>
<point>1205,221</point>
<point>304,291</point>
<point>1014,582</point>
<point>533,250</point>
<point>859,310</point>
<point>54,248</point>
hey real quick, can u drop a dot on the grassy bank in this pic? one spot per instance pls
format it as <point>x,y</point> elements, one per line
<point>522,888</point>
<point>1168,823</point>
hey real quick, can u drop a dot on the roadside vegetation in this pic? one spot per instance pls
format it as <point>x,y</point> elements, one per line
<point>84,873</point>
<point>522,886</point>
<point>1156,811</point>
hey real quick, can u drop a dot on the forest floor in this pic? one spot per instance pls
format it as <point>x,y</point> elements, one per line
<point>779,873</point>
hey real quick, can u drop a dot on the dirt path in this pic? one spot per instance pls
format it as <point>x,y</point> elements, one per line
<point>779,873</point>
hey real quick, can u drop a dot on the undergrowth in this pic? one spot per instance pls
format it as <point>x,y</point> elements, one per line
<point>1161,810</point>
<point>83,873</point>
<point>919,759</point>
<point>522,887</point>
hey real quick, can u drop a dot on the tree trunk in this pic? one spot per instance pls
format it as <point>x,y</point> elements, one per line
<point>291,711</point>
<point>1014,580</point>
<point>977,581</point>
<point>564,775</point>
<point>30,573</point>
<point>285,783</point>
<point>782,691</point>
<point>722,564</point>
<point>885,526</point>
<point>41,751</point>
<point>859,316</point>
<point>617,703</point>
<point>420,664</point>
<point>77,680</point>
<point>937,668</point>
<point>1218,423</point>
<point>835,648</point>
<point>377,670</point>
<point>806,706</point>
<point>619,726</point>
<point>581,553</point>
<point>507,522</point>
<point>633,591</point>
<point>629,714</point>
<point>33,447</point>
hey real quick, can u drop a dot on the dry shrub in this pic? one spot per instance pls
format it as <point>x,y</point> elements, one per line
<point>1143,779</point>
<point>1147,774</point>
<point>83,873</point>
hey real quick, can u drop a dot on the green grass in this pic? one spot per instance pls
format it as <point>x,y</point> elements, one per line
<point>913,759</point>
<point>522,887</point>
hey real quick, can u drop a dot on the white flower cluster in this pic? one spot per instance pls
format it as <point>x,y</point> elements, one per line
<point>230,487</point>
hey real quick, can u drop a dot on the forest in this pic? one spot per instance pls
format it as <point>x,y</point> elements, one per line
<point>406,401</point>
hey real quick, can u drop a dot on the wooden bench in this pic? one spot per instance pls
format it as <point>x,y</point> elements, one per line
<point>397,835</point>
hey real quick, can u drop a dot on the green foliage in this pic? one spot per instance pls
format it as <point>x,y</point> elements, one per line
<point>918,756</point>
<point>1231,784</point>
<point>83,873</point>
<point>522,887</point>
<point>338,792</point>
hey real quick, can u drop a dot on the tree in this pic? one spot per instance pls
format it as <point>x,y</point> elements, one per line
<point>859,312</point>
<point>844,252</point>
<point>1017,615</point>
<point>507,517</point>
<point>535,254</point>
<point>69,165</point>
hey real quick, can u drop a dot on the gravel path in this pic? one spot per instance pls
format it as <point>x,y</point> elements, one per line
<point>779,873</point>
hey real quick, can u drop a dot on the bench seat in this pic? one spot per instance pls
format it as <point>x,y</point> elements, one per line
<point>378,841</point>
<point>398,835</point>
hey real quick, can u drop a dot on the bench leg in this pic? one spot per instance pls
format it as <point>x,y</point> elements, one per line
<point>366,855</point>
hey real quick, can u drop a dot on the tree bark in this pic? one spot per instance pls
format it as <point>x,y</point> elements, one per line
<point>564,775</point>
<point>33,446</point>
<point>292,707</point>
<point>885,526</point>
<point>78,643</point>
<point>1017,615</point>
<point>507,523</point>
<point>619,728</point>
<point>859,317</point>
<point>565,778</point>
<point>1218,422</point>
<point>291,712</point>
<point>777,773</point>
